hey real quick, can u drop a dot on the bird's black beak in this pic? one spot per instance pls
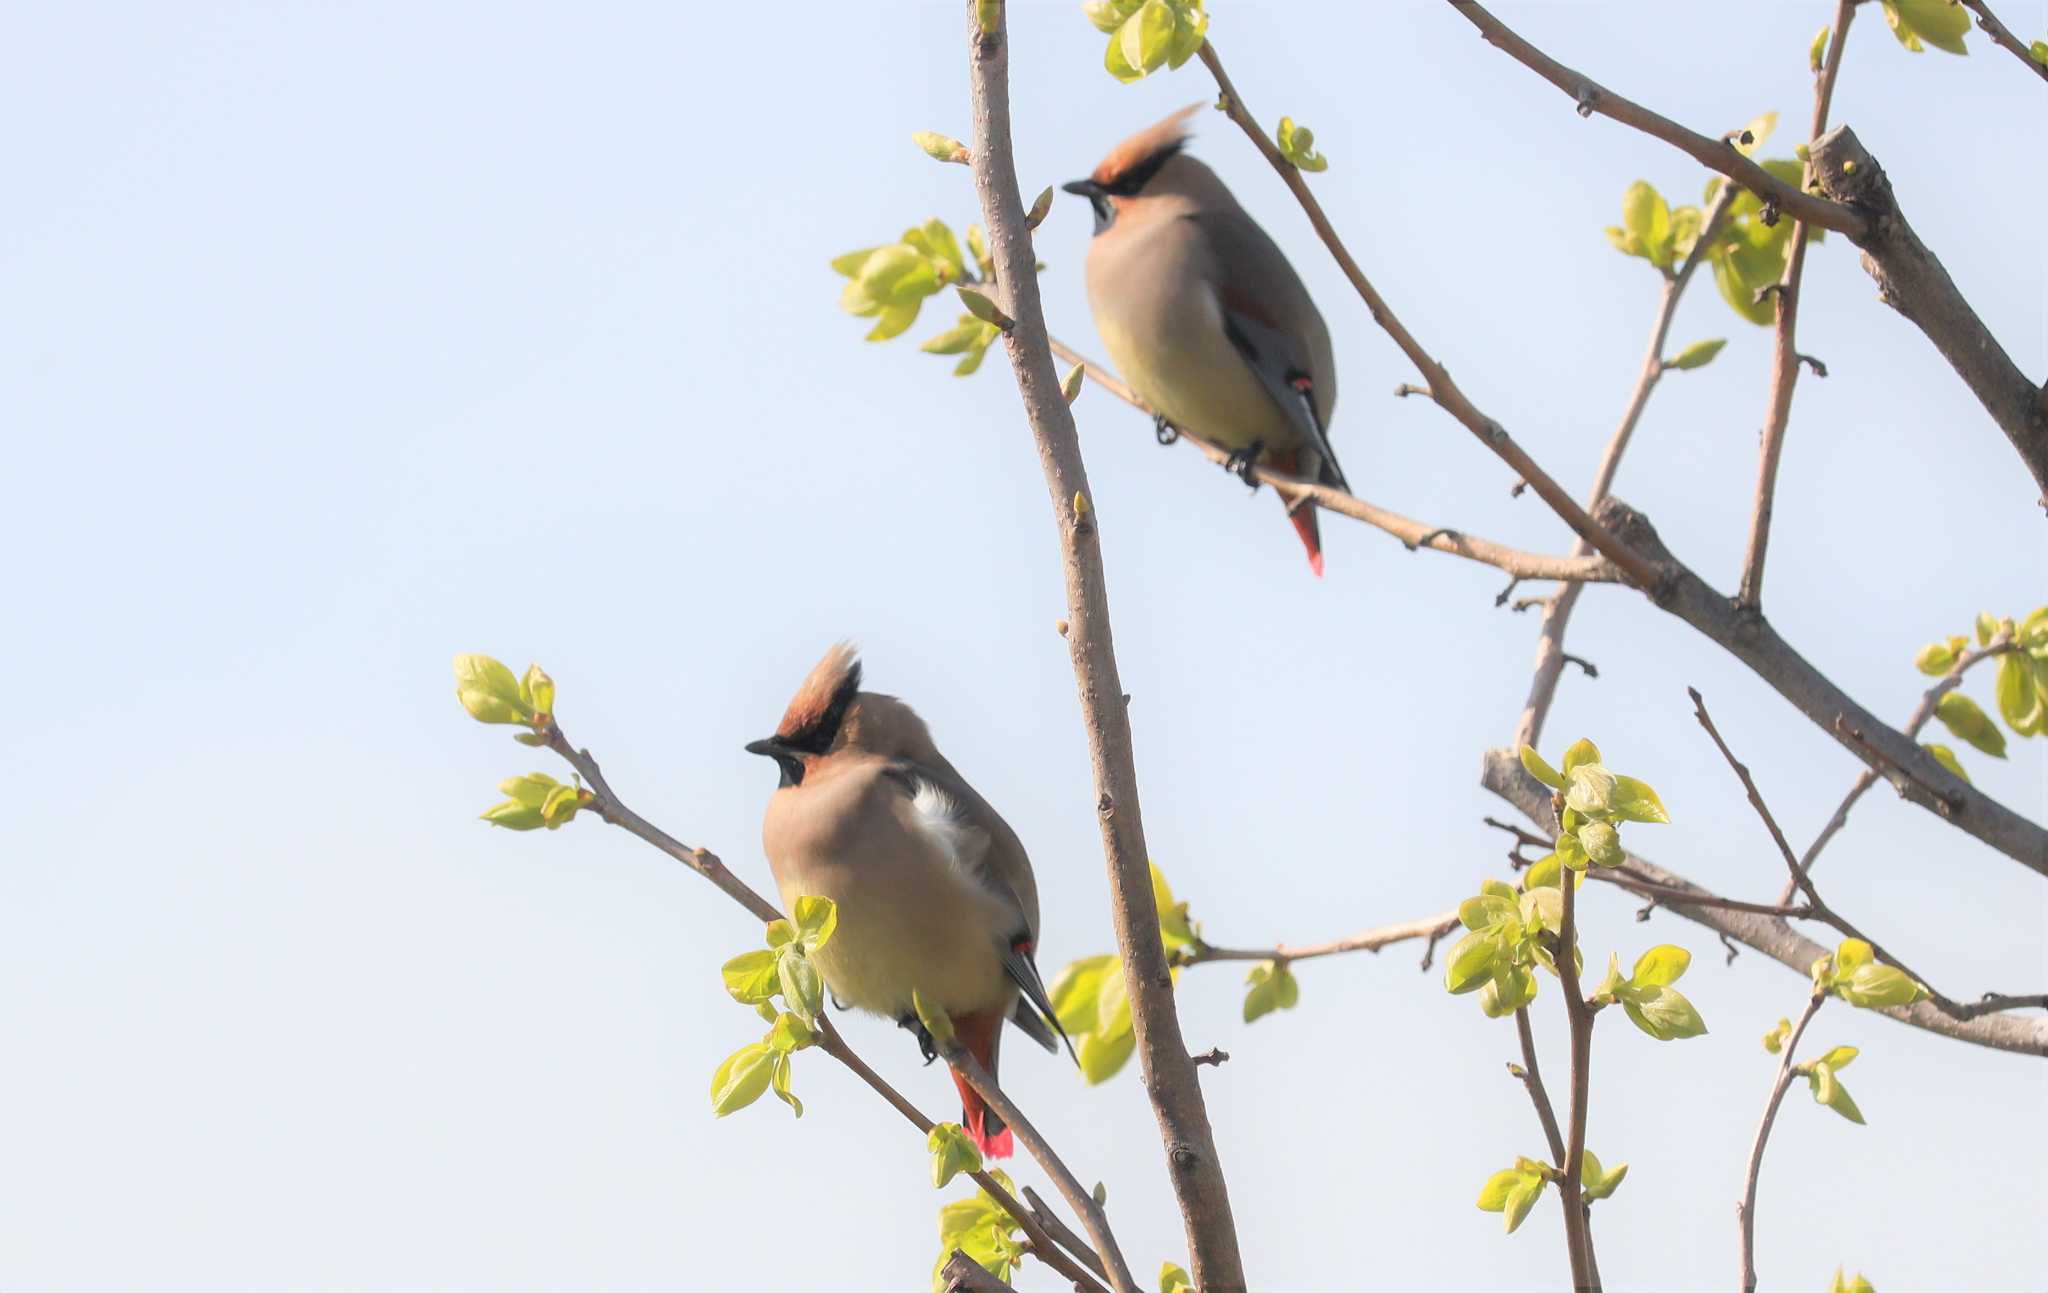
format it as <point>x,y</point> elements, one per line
<point>787,760</point>
<point>1084,188</point>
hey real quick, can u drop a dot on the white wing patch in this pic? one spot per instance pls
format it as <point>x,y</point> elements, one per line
<point>940,816</point>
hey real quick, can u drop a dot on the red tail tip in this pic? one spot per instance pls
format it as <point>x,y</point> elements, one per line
<point>1000,1145</point>
<point>1315,563</point>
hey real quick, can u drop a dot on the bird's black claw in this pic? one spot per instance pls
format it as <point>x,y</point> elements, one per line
<point>1165,432</point>
<point>923,1035</point>
<point>1242,462</point>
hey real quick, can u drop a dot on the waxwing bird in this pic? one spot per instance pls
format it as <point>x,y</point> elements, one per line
<point>1205,318</point>
<point>934,890</point>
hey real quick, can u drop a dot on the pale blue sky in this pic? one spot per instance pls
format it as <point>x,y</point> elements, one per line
<point>339,339</point>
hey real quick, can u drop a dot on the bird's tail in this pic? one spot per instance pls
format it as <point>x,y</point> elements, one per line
<point>982,1035</point>
<point>1303,513</point>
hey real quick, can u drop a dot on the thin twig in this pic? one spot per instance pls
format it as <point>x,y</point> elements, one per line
<point>1745,1211</point>
<point>1998,645</point>
<point>1063,1233</point>
<point>1557,615</point>
<point>1636,884</point>
<point>1784,349</point>
<point>1441,388</point>
<point>1502,773</point>
<point>1714,154</point>
<point>1371,940</point>
<point>1532,1078</point>
<point>1579,568</point>
<point>2005,39</point>
<point>1170,1080</point>
<point>1580,1020</point>
<point>1071,1189</point>
<point>606,803</point>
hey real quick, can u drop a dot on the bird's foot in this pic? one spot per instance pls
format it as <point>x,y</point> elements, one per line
<point>1242,462</point>
<point>923,1035</point>
<point>1162,430</point>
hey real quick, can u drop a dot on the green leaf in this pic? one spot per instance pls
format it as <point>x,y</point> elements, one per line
<point>538,690</point>
<point>940,243</point>
<point>1172,1279</point>
<point>779,932</point>
<point>1493,1196</point>
<point>1740,273</point>
<point>1298,146</point>
<point>1510,989</point>
<point>1541,907</point>
<point>1147,35</point>
<point>1272,988</point>
<point>1596,1182</point>
<point>1647,218</point>
<point>1839,1057</point>
<point>1872,985</point>
<point>1570,852</point>
<point>984,309</point>
<point>560,806</point>
<point>1661,966</point>
<point>934,1018</point>
<point>1758,131</point>
<point>1485,911</point>
<point>1986,626</point>
<point>816,918</point>
<point>849,264</point>
<point>897,275</point>
<point>1190,30</point>
<point>1470,964</point>
<point>742,1078</point>
<point>802,990</point>
<point>1590,788</point>
<point>1113,61</point>
<point>1582,751</point>
<point>488,691</point>
<point>1041,206</point>
<point>1075,991</point>
<point>514,816</point>
<point>1830,1092</point>
<point>1522,1198</point>
<point>1697,355</point>
<point>1108,15</point>
<point>1774,1040</point>
<point>1961,715</point>
<point>1853,954</point>
<point>1947,759</point>
<point>1611,983</point>
<point>1941,23</point>
<point>1534,765</point>
<point>941,148</point>
<point>752,976</point>
<point>892,321</point>
<point>2019,702</point>
<point>1175,929</point>
<point>1542,873</point>
<point>956,340</point>
<point>952,1151</point>
<point>1602,844</point>
<point>779,1072</point>
<point>1634,801</point>
<point>1104,1053</point>
<point>532,789</point>
<point>1663,1013</point>
<point>1817,53</point>
<point>790,1034</point>
<point>1685,230</point>
<point>1935,659</point>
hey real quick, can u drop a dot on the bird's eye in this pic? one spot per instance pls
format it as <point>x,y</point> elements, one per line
<point>1105,214</point>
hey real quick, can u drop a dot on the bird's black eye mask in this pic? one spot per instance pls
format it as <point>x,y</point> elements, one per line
<point>1128,184</point>
<point>813,738</point>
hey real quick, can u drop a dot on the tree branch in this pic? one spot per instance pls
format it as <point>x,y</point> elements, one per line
<point>1063,1233</point>
<point>612,810</point>
<point>1785,359</point>
<point>1578,568</point>
<point>1745,1211</point>
<point>962,1274</point>
<point>1078,1198</point>
<point>1557,614</point>
<point>2005,39</point>
<point>1868,777</point>
<point>1532,1078</point>
<point>1170,1078</point>
<point>1371,940</point>
<point>1501,772</point>
<point>1913,282</point>
<point>1442,389</point>
<point>1580,1020</point>
<point>1714,154</point>
<point>1749,638</point>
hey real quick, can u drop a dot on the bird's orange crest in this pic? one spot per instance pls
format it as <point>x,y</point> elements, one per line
<point>820,704</point>
<point>1164,137</point>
